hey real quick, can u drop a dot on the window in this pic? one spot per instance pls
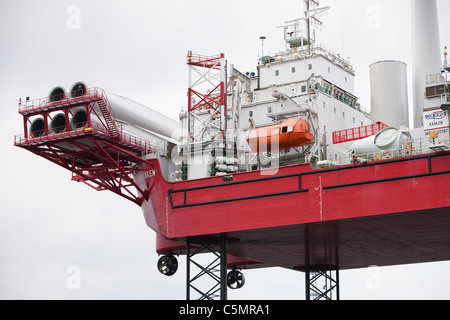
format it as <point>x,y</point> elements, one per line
<point>343,114</point>
<point>277,73</point>
<point>250,113</point>
<point>287,129</point>
<point>310,66</point>
<point>345,79</point>
<point>324,105</point>
<point>334,110</point>
<point>293,69</point>
<point>303,88</point>
<point>329,70</point>
<point>269,109</point>
<point>353,119</point>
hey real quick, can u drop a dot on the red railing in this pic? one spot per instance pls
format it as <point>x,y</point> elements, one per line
<point>68,98</point>
<point>204,61</point>
<point>357,133</point>
<point>60,133</point>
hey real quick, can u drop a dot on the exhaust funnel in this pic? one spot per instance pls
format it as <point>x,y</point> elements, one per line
<point>57,94</point>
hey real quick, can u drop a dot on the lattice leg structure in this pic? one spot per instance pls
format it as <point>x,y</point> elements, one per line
<point>207,111</point>
<point>322,283</point>
<point>206,274</point>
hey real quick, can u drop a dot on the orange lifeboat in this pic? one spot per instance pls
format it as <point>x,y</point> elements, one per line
<point>291,133</point>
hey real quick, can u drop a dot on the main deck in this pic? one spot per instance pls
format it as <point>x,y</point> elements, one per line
<point>387,212</point>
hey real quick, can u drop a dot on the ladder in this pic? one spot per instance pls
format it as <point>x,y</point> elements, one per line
<point>104,106</point>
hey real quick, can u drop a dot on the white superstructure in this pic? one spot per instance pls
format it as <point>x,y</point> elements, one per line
<point>307,76</point>
<point>308,81</point>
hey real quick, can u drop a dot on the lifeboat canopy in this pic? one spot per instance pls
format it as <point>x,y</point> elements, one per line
<point>291,133</point>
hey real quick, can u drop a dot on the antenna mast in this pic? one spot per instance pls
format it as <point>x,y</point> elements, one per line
<point>293,33</point>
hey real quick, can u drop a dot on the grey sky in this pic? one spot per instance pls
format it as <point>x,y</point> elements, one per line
<point>137,49</point>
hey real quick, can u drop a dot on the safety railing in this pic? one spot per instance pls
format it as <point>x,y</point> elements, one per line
<point>61,99</point>
<point>415,147</point>
<point>82,128</point>
<point>135,141</point>
<point>357,133</point>
<point>438,78</point>
<point>204,61</point>
<point>313,50</point>
<point>41,135</point>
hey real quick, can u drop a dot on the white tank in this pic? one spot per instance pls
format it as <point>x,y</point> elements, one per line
<point>426,51</point>
<point>389,93</point>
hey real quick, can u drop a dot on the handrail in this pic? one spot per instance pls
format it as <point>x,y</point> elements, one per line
<point>315,49</point>
<point>62,99</point>
<point>418,147</point>
<point>437,78</point>
<point>81,128</point>
<point>357,133</point>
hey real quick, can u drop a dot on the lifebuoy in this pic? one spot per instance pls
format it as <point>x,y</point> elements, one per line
<point>31,135</point>
<point>387,155</point>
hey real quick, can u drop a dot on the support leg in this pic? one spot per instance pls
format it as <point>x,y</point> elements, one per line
<point>322,283</point>
<point>209,271</point>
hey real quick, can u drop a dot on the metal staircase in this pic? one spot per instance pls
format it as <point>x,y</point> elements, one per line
<point>108,116</point>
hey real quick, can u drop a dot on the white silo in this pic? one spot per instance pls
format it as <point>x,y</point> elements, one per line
<point>426,50</point>
<point>389,93</point>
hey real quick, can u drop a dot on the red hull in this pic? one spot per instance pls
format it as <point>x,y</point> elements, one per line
<point>359,215</point>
